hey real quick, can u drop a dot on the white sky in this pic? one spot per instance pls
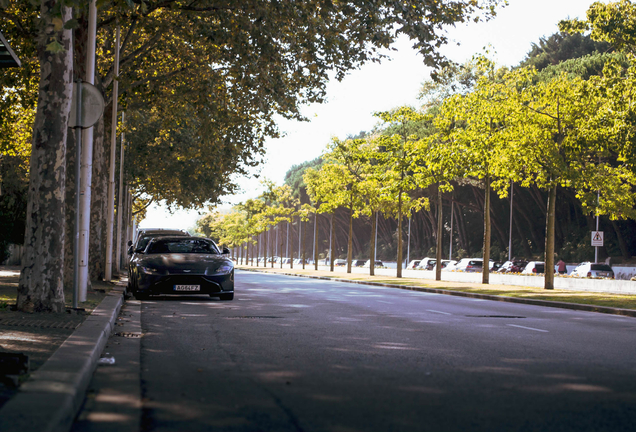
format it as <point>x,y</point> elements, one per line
<point>377,87</point>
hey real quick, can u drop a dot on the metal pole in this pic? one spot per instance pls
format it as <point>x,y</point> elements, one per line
<point>408,245</point>
<point>512,191</point>
<point>87,161</point>
<point>78,158</point>
<point>110,221</point>
<point>120,204</point>
<point>598,199</point>
<point>450,246</point>
<point>300,230</point>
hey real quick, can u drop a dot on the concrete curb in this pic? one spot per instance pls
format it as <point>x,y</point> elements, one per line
<point>546,303</point>
<point>50,399</point>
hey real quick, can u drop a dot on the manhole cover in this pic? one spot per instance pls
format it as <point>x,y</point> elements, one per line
<point>69,325</point>
<point>494,316</point>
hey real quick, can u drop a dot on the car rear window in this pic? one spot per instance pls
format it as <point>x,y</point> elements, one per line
<point>601,267</point>
<point>540,268</point>
<point>476,263</point>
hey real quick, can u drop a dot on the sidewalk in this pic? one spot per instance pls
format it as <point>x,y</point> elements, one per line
<point>63,350</point>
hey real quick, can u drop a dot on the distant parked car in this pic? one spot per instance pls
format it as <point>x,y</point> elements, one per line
<point>451,266</point>
<point>357,263</point>
<point>534,267</point>
<point>445,264</point>
<point>413,265</point>
<point>470,265</point>
<point>378,263</point>
<point>426,264</point>
<point>592,270</point>
<point>339,262</point>
<point>514,266</point>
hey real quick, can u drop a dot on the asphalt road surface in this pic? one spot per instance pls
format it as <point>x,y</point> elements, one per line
<point>297,354</point>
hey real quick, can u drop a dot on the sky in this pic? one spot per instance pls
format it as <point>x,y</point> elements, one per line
<point>376,87</point>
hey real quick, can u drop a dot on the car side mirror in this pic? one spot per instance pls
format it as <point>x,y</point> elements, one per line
<point>129,243</point>
<point>226,251</point>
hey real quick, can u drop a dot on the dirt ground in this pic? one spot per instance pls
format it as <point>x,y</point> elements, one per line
<point>37,335</point>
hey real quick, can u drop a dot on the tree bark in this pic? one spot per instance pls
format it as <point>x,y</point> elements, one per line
<point>99,197</point>
<point>331,244</point>
<point>316,242</point>
<point>485,272</point>
<point>399,237</point>
<point>549,239</point>
<point>374,228</point>
<point>350,237</point>
<point>438,250</point>
<point>41,285</point>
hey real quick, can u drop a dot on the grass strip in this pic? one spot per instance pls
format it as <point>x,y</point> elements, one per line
<point>601,299</point>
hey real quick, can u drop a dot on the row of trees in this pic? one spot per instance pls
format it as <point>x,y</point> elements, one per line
<point>550,131</point>
<point>201,82</point>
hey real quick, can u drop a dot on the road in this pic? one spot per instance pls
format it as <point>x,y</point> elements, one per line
<point>297,354</point>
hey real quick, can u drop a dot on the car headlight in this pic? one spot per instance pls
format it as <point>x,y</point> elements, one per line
<point>149,270</point>
<point>224,269</point>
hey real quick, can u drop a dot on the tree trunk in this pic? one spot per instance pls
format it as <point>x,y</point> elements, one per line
<point>304,258</point>
<point>399,237</point>
<point>331,244</point>
<point>99,198</point>
<point>41,285</point>
<point>374,228</point>
<point>438,250</point>
<point>485,273</point>
<point>549,239</point>
<point>291,250</point>
<point>316,241</point>
<point>350,239</point>
<point>70,210</point>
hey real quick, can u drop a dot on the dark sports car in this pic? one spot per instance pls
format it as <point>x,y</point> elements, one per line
<point>182,265</point>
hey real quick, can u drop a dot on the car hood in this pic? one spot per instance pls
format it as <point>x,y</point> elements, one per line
<point>185,263</point>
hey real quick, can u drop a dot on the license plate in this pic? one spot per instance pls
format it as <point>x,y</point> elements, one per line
<point>602,274</point>
<point>187,287</point>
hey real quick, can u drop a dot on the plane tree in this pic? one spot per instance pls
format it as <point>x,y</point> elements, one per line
<point>265,57</point>
<point>474,126</point>
<point>398,155</point>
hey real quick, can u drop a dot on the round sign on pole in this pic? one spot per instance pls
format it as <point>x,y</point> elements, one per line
<point>92,106</point>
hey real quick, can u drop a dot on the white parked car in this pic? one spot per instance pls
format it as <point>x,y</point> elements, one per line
<point>445,263</point>
<point>451,266</point>
<point>472,265</point>
<point>593,270</point>
<point>413,265</point>
<point>426,264</point>
<point>534,267</point>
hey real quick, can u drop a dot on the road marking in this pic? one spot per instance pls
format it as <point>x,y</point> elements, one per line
<point>528,328</point>
<point>439,312</point>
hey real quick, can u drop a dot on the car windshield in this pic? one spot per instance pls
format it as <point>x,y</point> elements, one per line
<point>186,245</point>
<point>143,241</point>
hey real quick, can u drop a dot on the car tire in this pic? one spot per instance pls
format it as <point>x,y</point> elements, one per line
<point>226,297</point>
<point>141,296</point>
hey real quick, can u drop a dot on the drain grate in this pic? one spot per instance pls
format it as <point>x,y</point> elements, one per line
<point>69,325</point>
<point>128,335</point>
<point>253,317</point>
<point>494,316</point>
